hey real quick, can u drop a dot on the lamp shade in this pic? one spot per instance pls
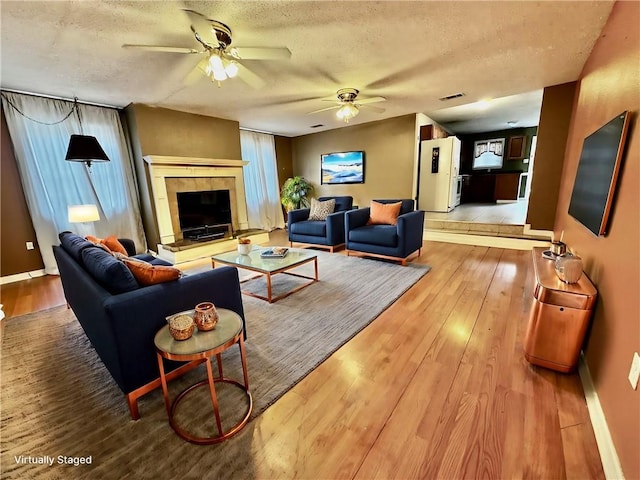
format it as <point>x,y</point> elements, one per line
<point>83,213</point>
<point>85,148</point>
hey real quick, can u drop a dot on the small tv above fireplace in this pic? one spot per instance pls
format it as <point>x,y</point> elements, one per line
<point>204,215</point>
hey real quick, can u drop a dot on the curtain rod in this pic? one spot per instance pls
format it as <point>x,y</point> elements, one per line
<point>54,97</point>
<point>257,131</point>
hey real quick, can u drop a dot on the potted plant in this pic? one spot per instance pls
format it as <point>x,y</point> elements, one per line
<point>295,193</point>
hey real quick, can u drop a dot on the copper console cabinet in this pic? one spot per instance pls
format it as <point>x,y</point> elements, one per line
<point>559,317</point>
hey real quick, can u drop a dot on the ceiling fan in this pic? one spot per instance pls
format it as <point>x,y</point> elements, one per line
<point>348,106</point>
<point>219,60</point>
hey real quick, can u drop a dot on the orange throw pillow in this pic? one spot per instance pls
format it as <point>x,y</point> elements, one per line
<point>147,274</point>
<point>114,245</point>
<point>111,242</point>
<point>384,213</point>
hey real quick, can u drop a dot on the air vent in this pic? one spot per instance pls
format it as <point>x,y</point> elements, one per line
<point>451,97</point>
<point>317,126</point>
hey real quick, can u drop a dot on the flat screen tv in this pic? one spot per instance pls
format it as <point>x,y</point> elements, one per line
<point>488,154</point>
<point>597,174</point>
<point>203,208</point>
<point>342,167</point>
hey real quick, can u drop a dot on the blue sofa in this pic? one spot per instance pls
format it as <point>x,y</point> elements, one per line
<point>395,242</point>
<point>327,234</point>
<point>120,318</point>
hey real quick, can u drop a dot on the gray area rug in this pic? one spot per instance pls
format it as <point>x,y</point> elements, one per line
<point>59,400</point>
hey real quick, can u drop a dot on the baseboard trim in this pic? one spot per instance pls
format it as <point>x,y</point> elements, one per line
<point>483,240</point>
<point>18,277</point>
<point>608,455</point>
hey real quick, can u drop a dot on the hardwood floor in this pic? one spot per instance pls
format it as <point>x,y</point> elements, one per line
<point>31,295</point>
<point>436,387</point>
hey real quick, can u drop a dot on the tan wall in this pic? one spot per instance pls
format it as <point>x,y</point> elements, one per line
<point>610,84</point>
<point>160,131</point>
<point>389,147</point>
<point>15,222</point>
<point>168,132</point>
<point>284,158</point>
<point>284,161</point>
<point>553,128</point>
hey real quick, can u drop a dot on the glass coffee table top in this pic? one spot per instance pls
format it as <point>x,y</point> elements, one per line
<point>253,261</point>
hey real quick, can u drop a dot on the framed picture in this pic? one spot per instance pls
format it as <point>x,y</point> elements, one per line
<point>342,167</point>
<point>488,154</point>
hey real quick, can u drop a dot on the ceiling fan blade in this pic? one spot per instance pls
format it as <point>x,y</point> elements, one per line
<point>249,77</point>
<point>325,109</point>
<point>366,101</point>
<point>202,26</point>
<point>262,53</point>
<point>370,107</point>
<point>161,48</point>
<point>197,72</point>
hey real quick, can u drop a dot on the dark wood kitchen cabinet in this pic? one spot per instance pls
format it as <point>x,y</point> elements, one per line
<point>506,187</point>
<point>478,188</point>
<point>489,187</point>
<point>517,147</point>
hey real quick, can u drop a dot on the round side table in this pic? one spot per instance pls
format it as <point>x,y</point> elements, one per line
<point>203,346</point>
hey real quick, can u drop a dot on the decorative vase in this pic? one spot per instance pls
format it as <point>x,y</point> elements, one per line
<point>181,326</point>
<point>244,248</point>
<point>569,268</point>
<point>205,316</point>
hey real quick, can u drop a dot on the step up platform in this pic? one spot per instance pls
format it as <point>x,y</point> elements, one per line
<point>500,235</point>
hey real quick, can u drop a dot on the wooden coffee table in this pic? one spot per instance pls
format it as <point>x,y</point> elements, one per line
<point>269,267</point>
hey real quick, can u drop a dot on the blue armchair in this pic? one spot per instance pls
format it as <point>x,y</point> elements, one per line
<point>324,234</point>
<point>395,242</point>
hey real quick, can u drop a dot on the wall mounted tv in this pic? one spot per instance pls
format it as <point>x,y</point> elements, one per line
<point>203,208</point>
<point>488,154</point>
<point>597,174</point>
<point>342,167</point>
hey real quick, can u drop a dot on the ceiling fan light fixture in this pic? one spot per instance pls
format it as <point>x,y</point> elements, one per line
<point>231,69</point>
<point>216,67</point>
<point>347,112</point>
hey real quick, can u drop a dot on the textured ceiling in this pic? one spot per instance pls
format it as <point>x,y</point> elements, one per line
<point>412,53</point>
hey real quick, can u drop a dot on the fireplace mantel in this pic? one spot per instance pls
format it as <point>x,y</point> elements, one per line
<point>203,162</point>
<point>162,167</point>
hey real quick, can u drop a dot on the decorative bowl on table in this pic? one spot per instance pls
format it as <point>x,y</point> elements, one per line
<point>569,268</point>
<point>181,326</point>
<point>205,316</point>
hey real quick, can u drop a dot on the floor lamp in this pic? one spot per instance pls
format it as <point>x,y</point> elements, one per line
<point>83,214</point>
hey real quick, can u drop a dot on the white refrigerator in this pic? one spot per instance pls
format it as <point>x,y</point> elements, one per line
<point>440,183</point>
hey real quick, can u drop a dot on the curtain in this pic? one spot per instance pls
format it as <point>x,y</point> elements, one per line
<point>51,184</point>
<point>261,181</point>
